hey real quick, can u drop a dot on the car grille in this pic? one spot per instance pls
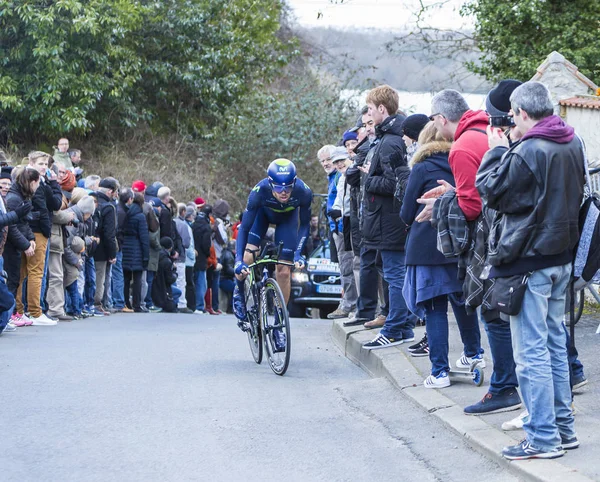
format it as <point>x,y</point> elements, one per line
<point>326,279</point>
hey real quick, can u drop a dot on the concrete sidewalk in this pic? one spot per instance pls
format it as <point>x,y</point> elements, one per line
<point>484,432</point>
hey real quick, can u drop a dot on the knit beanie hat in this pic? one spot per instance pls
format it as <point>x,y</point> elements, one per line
<point>414,124</point>
<point>199,202</point>
<point>166,242</point>
<point>77,244</point>
<point>138,186</point>
<point>86,205</point>
<point>69,182</point>
<point>77,194</point>
<point>5,173</point>
<point>349,136</point>
<point>497,102</point>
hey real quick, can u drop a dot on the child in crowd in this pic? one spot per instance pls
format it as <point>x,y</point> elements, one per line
<point>73,264</point>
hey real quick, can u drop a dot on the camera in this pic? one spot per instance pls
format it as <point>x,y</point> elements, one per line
<point>75,222</point>
<point>502,121</point>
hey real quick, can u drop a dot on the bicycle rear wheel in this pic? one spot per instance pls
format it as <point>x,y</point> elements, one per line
<point>255,331</point>
<point>274,317</point>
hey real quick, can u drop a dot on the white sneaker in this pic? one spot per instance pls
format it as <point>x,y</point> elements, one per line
<point>465,362</point>
<point>199,312</point>
<point>441,381</point>
<point>43,320</point>
<point>517,422</point>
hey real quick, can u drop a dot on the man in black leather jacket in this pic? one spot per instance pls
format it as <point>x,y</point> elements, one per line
<point>536,186</point>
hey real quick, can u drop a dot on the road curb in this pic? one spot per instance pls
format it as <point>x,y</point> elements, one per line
<point>393,364</point>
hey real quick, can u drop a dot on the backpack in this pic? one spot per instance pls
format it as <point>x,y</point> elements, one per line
<point>586,265</point>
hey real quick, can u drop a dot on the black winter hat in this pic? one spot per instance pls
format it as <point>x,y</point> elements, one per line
<point>109,183</point>
<point>413,125</point>
<point>166,242</point>
<point>6,172</point>
<point>497,102</point>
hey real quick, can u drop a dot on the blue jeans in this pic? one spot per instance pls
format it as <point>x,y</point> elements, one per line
<point>504,375</point>
<point>176,293</point>
<point>200,289</point>
<point>540,352</point>
<point>149,280</point>
<point>436,311</point>
<point>399,322</point>
<point>118,280</point>
<point>89,292</point>
<point>227,285</point>
<point>72,299</point>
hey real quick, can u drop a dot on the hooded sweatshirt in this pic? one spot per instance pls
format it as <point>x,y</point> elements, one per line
<point>551,128</point>
<point>470,144</point>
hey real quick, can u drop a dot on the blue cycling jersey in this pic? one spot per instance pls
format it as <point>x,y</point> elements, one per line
<point>291,218</point>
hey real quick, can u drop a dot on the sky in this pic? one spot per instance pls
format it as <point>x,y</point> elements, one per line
<point>384,14</point>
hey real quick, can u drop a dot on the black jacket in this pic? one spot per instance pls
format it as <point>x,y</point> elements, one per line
<point>165,219</point>
<point>382,227</point>
<point>106,229</point>
<point>228,262</point>
<point>46,200</point>
<point>121,221</point>
<point>19,234</point>
<point>166,275</point>
<point>202,241</point>
<point>136,240</point>
<point>537,188</point>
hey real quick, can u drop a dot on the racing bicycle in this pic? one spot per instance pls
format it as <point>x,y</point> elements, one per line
<point>266,310</point>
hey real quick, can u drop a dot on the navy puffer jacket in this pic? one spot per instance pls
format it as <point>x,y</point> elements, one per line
<point>136,241</point>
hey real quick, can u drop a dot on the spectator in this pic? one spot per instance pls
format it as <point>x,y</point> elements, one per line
<point>164,215</point>
<point>202,241</point>
<point>136,252</point>
<point>185,234</point>
<point>61,154</point>
<point>350,141</point>
<point>118,276</point>
<point>75,155</point>
<point>72,266</point>
<point>199,202</point>
<point>166,275</point>
<point>539,229</point>
<point>21,240</point>
<point>227,282</point>
<point>341,211</point>
<point>454,120</point>
<point>106,231</point>
<point>411,127</point>
<point>5,181</point>
<point>190,259</point>
<point>324,156</point>
<point>431,278</point>
<point>220,239</point>
<point>383,229</point>
<point>92,183</point>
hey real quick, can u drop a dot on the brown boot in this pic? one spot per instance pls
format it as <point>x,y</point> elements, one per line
<point>208,302</point>
<point>378,322</point>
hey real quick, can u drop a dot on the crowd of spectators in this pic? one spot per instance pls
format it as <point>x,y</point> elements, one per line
<point>74,247</point>
<point>442,209</point>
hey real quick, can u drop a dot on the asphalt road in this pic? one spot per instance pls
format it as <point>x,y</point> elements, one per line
<point>178,398</point>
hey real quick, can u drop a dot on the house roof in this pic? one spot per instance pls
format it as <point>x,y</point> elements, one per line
<point>556,58</point>
<point>587,102</point>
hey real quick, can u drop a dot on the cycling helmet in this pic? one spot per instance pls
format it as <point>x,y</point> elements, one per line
<point>282,172</point>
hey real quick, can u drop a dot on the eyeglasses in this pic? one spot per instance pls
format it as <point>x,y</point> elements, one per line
<point>432,116</point>
<point>282,189</point>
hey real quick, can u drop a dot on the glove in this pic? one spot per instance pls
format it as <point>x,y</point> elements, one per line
<point>299,260</point>
<point>239,267</point>
<point>335,214</point>
<point>24,209</point>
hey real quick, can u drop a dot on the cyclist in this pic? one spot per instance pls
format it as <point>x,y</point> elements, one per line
<point>283,200</point>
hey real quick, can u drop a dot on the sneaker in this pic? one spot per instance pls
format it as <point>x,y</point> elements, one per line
<point>421,351</point>
<point>504,401</point>
<point>524,450</point>
<point>419,345</point>
<point>517,422</point>
<point>441,381</point>
<point>569,443</point>
<point>43,320</point>
<point>337,314</point>
<point>154,309</point>
<point>382,341</point>
<point>465,361</point>
<point>378,322</point>
<point>17,320</point>
<point>9,328</point>
<point>127,310</point>
<point>96,312</point>
<point>64,318</point>
<point>27,319</point>
<point>141,309</point>
<point>185,310</point>
<point>355,320</point>
<point>579,382</point>
<point>239,304</point>
<point>199,312</point>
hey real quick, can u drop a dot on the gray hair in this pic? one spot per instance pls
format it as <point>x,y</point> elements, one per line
<point>325,151</point>
<point>450,103</point>
<point>92,181</point>
<point>534,98</point>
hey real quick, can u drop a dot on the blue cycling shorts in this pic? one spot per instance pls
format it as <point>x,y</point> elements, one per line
<point>286,230</point>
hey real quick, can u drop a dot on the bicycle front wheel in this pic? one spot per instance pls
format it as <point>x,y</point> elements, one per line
<point>255,331</point>
<point>275,327</point>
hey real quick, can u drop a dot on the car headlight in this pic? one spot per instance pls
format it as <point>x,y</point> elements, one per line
<point>300,277</point>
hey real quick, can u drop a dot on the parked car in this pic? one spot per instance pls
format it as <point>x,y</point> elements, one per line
<point>318,285</point>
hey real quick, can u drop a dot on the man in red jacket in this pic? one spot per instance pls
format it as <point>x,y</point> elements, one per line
<point>467,128</point>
